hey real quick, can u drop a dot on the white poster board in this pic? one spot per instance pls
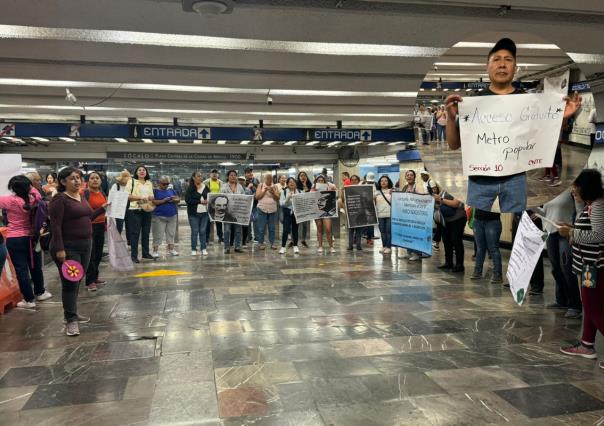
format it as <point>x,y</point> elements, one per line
<point>502,135</point>
<point>315,205</point>
<point>118,203</point>
<point>528,245</point>
<point>230,208</point>
<point>10,165</point>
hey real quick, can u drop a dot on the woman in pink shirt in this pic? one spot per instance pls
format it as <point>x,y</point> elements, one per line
<point>26,259</point>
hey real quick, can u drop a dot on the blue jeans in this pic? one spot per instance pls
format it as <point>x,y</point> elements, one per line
<point>440,132</point>
<point>199,228</point>
<point>384,225</point>
<point>486,235</point>
<point>263,219</point>
<point>28,267</point>
<point>227,229</point>
<point>2,256</point>
<point>560,256</point>
<point>511,190</point>
<point>370,232</point>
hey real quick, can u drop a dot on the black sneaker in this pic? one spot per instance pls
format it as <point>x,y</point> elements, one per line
<point>458,268</point>
<point>148,257</point>
<point>445,266</point>
<point>238,250</point>
<point>535,292</point>
<point>349,248</point>
<point>135,260</point>
<point>304,244</point>
<point>556,305</point>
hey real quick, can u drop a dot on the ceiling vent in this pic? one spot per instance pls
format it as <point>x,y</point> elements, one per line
<point>208,7</point>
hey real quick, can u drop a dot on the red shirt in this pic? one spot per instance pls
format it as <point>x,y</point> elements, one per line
<point>347,182</point>
<point>96,201</point>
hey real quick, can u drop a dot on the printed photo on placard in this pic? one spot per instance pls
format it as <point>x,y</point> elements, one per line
<point>315,205</point>
<point>230,208</point>
<point>359,206</point>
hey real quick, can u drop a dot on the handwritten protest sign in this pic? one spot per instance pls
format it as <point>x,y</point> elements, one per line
<point>315,205</point>
<point>10,165</point>
<point>230,208</point>
<point>360,207</point>
<point>412,216</point>
<point>119,203</point>
<point>528,245</point>
<point>504,135</point>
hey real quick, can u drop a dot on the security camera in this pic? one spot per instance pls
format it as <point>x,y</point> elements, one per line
<point>269,100</point>
<point>70,97</point>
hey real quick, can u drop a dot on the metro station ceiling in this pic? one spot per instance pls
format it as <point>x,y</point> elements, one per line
<point>361,62</point>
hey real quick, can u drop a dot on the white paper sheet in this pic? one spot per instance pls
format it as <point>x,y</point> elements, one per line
<point>10,165</point>
<point>119,202</point>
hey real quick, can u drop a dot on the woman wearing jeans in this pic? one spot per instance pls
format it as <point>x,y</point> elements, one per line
<point>588,259</point>
<point>26,259</point>
<point>139,220</point>
<point>97,200</point>
<point>289,220</point>
<point>382,199</point>
<point>71,222</point>
<point>196,198</point>
<point>267,195</point>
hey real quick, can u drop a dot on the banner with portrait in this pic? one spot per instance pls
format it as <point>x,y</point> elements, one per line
<point>360,206</point>
<point>230,208</point>
<point>315,205</point>
<point>411,221</point>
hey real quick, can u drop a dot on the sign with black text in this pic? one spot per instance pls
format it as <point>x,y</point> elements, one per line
<point>315,205</point>
<point>230,208</point>
<point>505,135</point>
<point>411,221</point>
<point>359,206</point>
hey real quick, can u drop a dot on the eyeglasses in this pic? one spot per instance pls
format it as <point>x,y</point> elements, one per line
<point>164,183</point>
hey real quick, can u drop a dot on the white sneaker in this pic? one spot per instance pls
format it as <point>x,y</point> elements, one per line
<point>173,253</point>
<point>296,250</point>
<point>154,255</point>
<point>204,252</point>
<point>332,249</point>
<point>282,250</point>
<point>44,296</point>
<point>320,250</point>
<point>26,305</point>
<point>193,252</point>
<point>387,251</point>
<point>414,258</point>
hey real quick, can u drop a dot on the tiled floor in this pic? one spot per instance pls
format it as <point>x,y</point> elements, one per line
<point>262,339</point>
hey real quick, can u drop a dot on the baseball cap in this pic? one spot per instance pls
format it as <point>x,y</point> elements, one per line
<point>370,176</point>
<point>214,171</point>
<point>424,172</point>
<point>505,43</point>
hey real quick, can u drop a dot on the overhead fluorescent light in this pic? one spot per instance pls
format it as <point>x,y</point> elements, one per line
<point>148,140</point>
<point>227,163</point>
<point>197,89</point>
<point>67,139</point>
<point>334,143</point>
<point>541,46</point>
<point>396,143</point>
<point>268,142</point>
<point>39,139</point>
<point>468,90</point>
<point>376,143</point>
<point>221,142</point>
<point>21,32</point>
<point>172,141</point>
<point>291,143</point>
<point>480,64</point>
<point>244,142</point>
<point>198,141</point>
<point>457,90</point>
<point>121,140</point>
<point>312,143</point>
<point>355,143</point>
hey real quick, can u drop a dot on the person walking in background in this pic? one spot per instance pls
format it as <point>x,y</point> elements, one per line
<point>165,216</point>
<point>139,212</point>
<point>304,185</point>
<point>26,258</point>
<point>383,197</point>
<point>97,200</point>
<point>196,198</point>
<point>290,226</point>
<point>71,221</point>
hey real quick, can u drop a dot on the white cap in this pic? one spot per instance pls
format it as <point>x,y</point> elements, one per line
<point>424,172</point>
<point>370,176</point>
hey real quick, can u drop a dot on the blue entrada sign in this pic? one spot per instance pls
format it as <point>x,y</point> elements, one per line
<point>344,135</point>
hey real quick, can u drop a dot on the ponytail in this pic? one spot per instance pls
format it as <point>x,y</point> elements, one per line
<point>21,186</point>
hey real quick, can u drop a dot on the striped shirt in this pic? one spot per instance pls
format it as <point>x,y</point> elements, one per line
<point>588,236</point>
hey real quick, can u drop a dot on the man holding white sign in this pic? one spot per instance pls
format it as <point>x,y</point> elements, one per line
<point>513,135</point>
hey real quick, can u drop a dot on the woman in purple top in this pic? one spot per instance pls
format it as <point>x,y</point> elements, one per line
<point>165,216</point>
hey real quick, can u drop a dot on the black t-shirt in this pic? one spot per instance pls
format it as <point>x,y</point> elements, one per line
<point>493,179</point>
<point>485,215</point>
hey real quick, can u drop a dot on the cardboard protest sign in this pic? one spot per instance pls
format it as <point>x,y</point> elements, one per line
<point>411,221</point>
<point>230,208</point>
<point>315,205</point>
<point>528,245</point>
<point>10,165</point>
<point>359,206</point>
<point>504,135</point>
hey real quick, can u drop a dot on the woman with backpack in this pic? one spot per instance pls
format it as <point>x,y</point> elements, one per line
<point>96,198</point>
<point>21,207</point>
<point>71,220</point>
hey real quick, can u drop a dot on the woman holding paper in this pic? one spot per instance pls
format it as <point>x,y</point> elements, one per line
<point>322,224</point>
<point>165,216</point>
<point>290,226</point>
<point>196,198</point>
<point>587,237</point>
<point>139,212</point>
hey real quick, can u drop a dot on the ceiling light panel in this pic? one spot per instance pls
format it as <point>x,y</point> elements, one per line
<point>20,32</point>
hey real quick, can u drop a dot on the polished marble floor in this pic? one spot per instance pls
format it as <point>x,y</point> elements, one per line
<point>263,339</point>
